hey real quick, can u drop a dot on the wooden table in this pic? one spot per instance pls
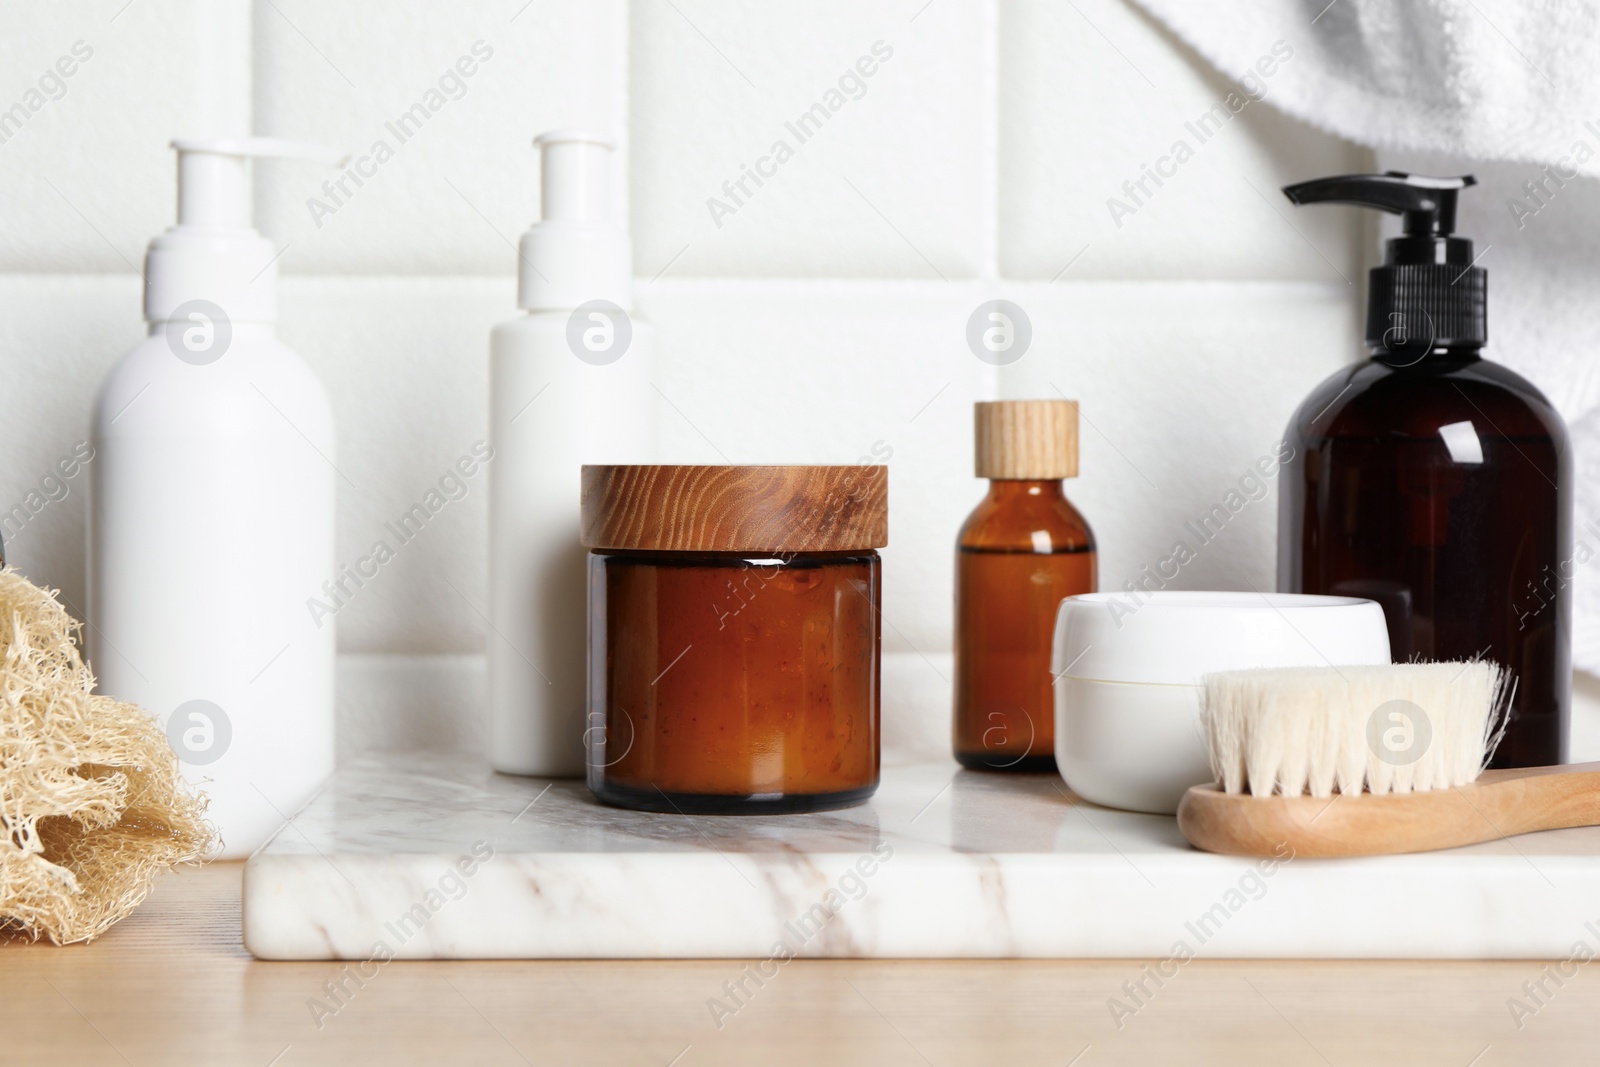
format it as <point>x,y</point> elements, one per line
<point>172,985</point>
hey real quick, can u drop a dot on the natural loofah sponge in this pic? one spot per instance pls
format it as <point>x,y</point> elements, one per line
<point>92,806</point>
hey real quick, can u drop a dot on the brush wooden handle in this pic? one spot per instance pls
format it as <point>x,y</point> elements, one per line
<point>1499,804</point>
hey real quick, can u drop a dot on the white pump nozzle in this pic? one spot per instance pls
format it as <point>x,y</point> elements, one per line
<point>214,253</point>
<point>574,176</point>
<point>213,187</point>
<point>577,253</point>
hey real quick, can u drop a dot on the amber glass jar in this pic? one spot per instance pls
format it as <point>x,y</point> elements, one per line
<point>734,632</point>
<point>1022,551</point>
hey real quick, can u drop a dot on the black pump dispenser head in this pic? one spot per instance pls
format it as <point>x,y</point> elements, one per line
<point>1427,294</point>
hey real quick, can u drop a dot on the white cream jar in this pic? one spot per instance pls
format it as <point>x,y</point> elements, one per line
<point>1129,668</point>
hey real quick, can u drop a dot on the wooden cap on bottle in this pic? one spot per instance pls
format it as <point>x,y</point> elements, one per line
<point>1027,439</point>
<point>670,508</point>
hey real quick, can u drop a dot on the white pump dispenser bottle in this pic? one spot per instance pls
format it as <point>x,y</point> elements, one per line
<point>212,511</point>
<point>569,385</point>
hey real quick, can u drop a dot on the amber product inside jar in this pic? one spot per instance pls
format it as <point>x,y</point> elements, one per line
<point>1022,551</point>
<point>734,632</point>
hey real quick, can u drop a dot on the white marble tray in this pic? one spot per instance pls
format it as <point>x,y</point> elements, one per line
<point>389,861</point>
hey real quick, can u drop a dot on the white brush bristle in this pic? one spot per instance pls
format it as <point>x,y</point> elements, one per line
<point>1321,730</point>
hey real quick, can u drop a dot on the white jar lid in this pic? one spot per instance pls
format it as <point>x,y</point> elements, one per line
<point>1175,638</point>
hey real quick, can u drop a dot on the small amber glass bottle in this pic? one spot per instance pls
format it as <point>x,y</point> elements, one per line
<point>1021,552</point>
<point>734,636</point>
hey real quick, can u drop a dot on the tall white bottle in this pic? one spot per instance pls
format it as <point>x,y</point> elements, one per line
<point>569,384</point>
<point>212,511</point>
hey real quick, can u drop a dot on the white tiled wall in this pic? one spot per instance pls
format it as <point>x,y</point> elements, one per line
<point>1095,95</point>
<point>825,316</point>
<point>892,178</point>
<point>464,181</point>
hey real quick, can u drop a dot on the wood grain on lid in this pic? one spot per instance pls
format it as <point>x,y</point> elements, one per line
<point>668,508</point>
<point>1032,439</point>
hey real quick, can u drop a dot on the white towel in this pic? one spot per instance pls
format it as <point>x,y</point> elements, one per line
<point>1506,90</point>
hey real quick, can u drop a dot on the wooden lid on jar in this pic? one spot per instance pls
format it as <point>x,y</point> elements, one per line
<point>668,508</point>
<point>1027,439</point>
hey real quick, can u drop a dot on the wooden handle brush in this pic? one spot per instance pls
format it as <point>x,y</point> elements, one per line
<point>1367,761</point>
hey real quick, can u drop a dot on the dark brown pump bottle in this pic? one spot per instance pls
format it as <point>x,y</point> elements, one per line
<point>1433,481</point>
<point>1022,551</point>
